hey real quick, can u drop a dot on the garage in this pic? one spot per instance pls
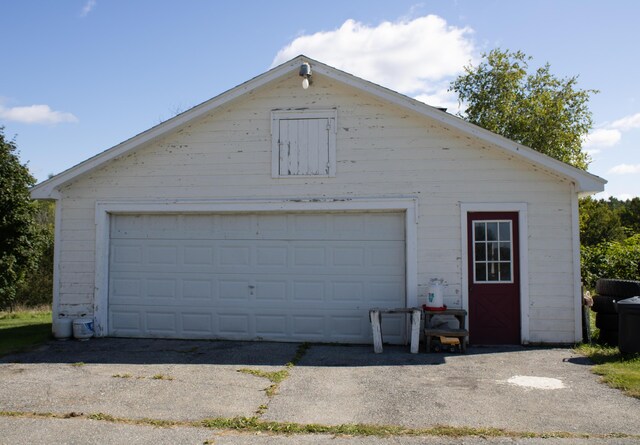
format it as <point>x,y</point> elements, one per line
<point>302,276</point>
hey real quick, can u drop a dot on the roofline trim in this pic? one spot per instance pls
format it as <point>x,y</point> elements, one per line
<point>585,182</point>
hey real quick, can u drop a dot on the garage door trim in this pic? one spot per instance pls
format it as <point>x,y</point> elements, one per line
<point>104,209</point>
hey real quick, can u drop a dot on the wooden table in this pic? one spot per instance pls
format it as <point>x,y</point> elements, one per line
<point>375,316</point>
<point>461,333</point>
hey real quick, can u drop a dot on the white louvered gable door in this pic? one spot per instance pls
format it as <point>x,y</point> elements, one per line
<point>304,143</point>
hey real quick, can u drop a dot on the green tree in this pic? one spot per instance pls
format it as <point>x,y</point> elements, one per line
<point>38,289</point>
<point>19,234</point>
<point>617,259</point>
<point>630,215</point>
<point>538,109</point>
<point>599,222</point>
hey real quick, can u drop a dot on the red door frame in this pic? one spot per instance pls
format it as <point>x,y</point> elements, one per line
<point>494,308</point>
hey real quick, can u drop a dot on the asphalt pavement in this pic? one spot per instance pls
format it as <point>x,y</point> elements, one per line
<point>517,389</point>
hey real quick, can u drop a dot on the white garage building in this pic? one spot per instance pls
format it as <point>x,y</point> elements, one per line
<point>281,213</point>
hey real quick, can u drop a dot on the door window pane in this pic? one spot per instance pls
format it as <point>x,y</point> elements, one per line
<point>492,251</point>
<point>505,251</point>
<point>481,272</point>
<point>493,271</point>
<point>505,231</point>
<point>492,231</point>
<point>505,272</point>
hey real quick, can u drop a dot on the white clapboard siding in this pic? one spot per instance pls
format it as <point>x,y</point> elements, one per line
<point>381,150</point>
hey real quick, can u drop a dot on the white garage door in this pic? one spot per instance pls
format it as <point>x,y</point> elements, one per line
<point>272,276</point>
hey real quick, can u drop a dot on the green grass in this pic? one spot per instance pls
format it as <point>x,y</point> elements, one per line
<point>161,377</point>
<point>277,377</point>
<point>617,370</point>
<point>22,330</point>
<point>256,425</point>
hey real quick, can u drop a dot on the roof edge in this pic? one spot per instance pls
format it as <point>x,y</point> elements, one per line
<point>586,183</point>
<point>47,189</point>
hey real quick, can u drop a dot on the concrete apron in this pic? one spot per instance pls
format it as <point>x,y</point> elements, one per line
<point>518,389</point>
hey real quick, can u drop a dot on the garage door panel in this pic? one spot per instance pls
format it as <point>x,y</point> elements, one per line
<point>197,324</point>
<point>233,323</point>
<point>198,255</point>
<point>326,226</point>
<point>353,256</point>
<point>234,289</point>
<point>272,256</point>
<point>127,320</point>
<point>347,326</point>
<point>161,254</point>
<point>299,325</point>
<point>271,326</point>
<point>308,290</point>
<point>291,277</point>
<point>235,255</point>
<point>125,254</point>
<point>271,290</point>
<point>348,291</point>
<point>161,322</point>
<point>385,255</point>
<point>384,290</point>
<point>126,288</point>
<point>161,289</point>
<point>308,326</point>
<point>197,290</point>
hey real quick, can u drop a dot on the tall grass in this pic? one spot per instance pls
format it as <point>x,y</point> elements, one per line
<point>23,329</point>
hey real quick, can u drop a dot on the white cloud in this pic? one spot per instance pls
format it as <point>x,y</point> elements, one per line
<point>602,137</point>
<point>610,134</point>
<point>625,196</point>
<point>625,169</point>
<point>36,114</point>
<point>620,196</point>
<point>440,97</point>
<point>414,57</point>
<point>88,7</point>
<point>627,122</point>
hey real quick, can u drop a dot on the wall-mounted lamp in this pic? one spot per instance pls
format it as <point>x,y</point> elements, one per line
<point>305,73</point>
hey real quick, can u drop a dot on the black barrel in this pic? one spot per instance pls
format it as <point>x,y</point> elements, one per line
<point>629,325</point>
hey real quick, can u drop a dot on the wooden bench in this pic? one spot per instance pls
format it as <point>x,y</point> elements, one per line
<point>461,333</point>
<point>375,316</point>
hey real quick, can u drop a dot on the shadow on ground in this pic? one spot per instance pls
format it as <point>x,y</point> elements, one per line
<point>223,352</point>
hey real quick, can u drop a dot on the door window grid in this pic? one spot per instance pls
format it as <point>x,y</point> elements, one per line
<point>492,251</point>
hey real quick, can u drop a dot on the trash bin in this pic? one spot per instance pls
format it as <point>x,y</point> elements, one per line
<point>629,325</point>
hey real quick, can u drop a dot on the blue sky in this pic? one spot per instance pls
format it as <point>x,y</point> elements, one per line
<point>80,76</point>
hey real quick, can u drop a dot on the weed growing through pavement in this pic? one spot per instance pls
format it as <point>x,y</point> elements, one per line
<point>256,425</point>
<point>276,377</point>
<point>162,377</point>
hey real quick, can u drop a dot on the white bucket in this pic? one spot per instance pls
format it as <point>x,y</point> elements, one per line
<point>83,328</point>
<point>435,294</point>
<point>62,328</point>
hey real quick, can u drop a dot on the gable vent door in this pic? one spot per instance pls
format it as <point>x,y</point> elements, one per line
<point>304,146</point>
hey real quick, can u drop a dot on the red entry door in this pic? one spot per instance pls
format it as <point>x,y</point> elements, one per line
<point>494,278</point>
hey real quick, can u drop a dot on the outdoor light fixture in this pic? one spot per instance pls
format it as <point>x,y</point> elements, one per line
<point>305,73</point>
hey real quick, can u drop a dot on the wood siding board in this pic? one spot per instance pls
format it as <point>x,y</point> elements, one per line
<point>227,156</point>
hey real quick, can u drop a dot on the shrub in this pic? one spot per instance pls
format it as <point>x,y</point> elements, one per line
<point>619,260</point>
